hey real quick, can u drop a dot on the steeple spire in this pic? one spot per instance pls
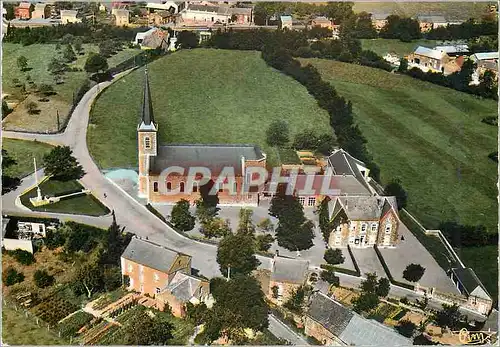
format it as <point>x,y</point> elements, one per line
<point>147,106</point>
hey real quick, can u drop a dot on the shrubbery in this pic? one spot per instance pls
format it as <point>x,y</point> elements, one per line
<point>23,257</point>
<point>11,276</point>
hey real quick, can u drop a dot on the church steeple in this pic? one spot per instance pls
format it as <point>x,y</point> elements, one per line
<point>147,117</point>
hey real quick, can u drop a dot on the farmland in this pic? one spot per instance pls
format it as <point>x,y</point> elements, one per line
<point>201,96</point>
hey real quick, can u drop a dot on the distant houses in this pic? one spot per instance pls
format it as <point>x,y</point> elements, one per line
<point>285,22</point>
<point>429,22</point>
<point>69,16</point>
<point>23,11</point>
<point>121,17</point>
<point>430,59</point>
<point>487,61</point>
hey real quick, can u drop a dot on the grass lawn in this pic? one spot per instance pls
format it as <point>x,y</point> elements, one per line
<point>431,137</point>
<point>19,330</point>
<point>23,152</point>
<point>384,46</point>
<point>201,96</point>
<point>82,204</point>
<point>39,57</point>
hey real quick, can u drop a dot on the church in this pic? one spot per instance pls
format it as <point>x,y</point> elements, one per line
<point>154,159</point>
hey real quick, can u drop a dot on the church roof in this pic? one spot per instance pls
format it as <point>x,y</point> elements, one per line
<point>147,118</point>
<point>216,157</point>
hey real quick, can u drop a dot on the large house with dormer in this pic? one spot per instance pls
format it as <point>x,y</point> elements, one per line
<point>361,221</point>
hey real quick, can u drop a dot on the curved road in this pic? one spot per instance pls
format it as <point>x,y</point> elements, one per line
<point>129,213</point>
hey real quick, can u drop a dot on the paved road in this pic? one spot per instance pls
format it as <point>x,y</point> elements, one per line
<point>135,217</point>
<point>281,330</point>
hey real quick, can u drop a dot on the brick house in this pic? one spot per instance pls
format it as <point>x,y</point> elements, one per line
<point>121,17</point>
<point>184,288</point>
<point>23,11</point>
<point>287,275</point>
<point>151,267</point>
<point>363,221</point>
<point>241,15</point>
<point>332,324</point>
<point>478,298</point>
<point>154,159</point>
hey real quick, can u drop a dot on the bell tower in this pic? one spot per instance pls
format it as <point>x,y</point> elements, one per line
<point>147,137</point>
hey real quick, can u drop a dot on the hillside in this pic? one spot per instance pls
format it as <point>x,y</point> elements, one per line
<point>201,96</point>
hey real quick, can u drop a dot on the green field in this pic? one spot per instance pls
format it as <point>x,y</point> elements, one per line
<point>81,204</point>
<point>39,57</point>
<point>17,329</point>
<point>484,261</point>
<point>201,96</point>
<point>430,136</point>
<point>451,10</point>
<point>384,46</point>
<point>23,152</point>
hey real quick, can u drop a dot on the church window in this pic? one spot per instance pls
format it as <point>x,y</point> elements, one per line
<point>155,187</point>
<point>181,185</point>
<point>147,142</point>
<point>169,186</point>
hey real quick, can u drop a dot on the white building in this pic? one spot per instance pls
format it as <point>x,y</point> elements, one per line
<point>69,16</point>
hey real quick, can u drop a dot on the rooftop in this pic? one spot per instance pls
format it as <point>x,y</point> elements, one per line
<point>429,52</point>
<point>431,18</point>
<point>471,283</point>
<point>150,254</point>
<point>289,270</point>
<point>362,207</point>
<point>451,49</point>
<point>485,56</point>
<point>350,327</point>
<point>183,286</point>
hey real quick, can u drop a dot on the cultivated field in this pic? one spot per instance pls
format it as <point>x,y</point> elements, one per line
<point>23,152</point>
<point>201,96</point>
<point>39,57</point>
<point>433,139</point>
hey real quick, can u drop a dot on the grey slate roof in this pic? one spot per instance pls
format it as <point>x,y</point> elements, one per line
<point>147,106</point>
<point>289,270</point>
<point>431,19</point>
<point>470,282</point>
<point>216,157</point>
<point>150,254</point>
<point>362,207</point>
<point>346,166</point>
<point>183,286</point>
<point>350,327</point>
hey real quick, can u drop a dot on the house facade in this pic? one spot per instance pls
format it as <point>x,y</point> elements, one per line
<point>23,11</point>
<point>151,267</point>
<point>285,22</point>
<point>42,11</point>
<point>69,16</point>
<point>487,61</point>
<point>205,14</point>
<point>322,22</point>
<point>428,59</point>
<point>121,17</point>
<point>363,222</point>
<point>168,173</point>
<point>428,23</point>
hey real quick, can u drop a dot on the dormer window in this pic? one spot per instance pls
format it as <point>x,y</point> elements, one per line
<point>147,142</point>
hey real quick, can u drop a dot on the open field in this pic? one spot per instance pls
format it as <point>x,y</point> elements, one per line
<point>484,261</point>
<point>432,138</point>
<point>201,96</point>
<point>384,46</point>
<point>81,204</point>
<point>451,10</point>
<point>23,152</point>
<point>19,330</point>
<point>39,57</point>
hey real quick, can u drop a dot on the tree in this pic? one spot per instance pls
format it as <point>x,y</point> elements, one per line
<point>23,257</point>
<point>7,160</point>
<point>144,329</point>
<point>69,55</point>
<point>88,278</point>
<point>365,302</point>
<point>338,11</point>
<point>278,133</point>
<point>54,240</point>
<point>56,66</point>
<point>394,188</point>
<point>406,328</point>
<point>67,39</point>
<point>333,256</point>
<point>383,287</point>
<point>22,62</point>
<point>206,207</point>
<point>215,227</point>
<point>449,317</point>
<point>421,340</point>
<point>275,291</point>
<point>297,299</point>
<point>181,218</point>
<point>329,276</point>
<point>245,224</point>
<point>11,276</point>
<point>61,164</point>
<point>413,272</point>
<point>10,11</point>
<point>115,244</point>
<point>78,45</point>
<point>236,251</point>
<point>43,279</point>
<point>187,39</point>
<point>364,28</point>
<point>403,65</point>
<point>370,284</point>
<point>46,89</point>
<point>5,109</point>
<point>263,242</point>
<point>265,225</point>
<point>239,304</point>
<point>196,314</point>
<point>96,63</point>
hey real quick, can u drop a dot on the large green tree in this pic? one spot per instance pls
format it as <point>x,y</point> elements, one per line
<point>395,188</point>
<point>96,63</point>
<point>278,133</point>
<point>236,251</point>
<point>62,165</point>
<point>333,256</point>
<point>181,218</point>
<point>22,62</point>
<point>413,272</point>
<point>449,317</point>
<point>144,329</point>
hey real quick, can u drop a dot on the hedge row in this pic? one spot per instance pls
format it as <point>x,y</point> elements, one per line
<point>355,263</point>
<point>341,270</point>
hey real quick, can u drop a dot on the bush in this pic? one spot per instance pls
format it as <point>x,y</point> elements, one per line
<point>333,256</point>
<point>23,257</point>
<point>43,279</point>
<point>11,276</point>
<point>406,328</point>
<point>329,276</point>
